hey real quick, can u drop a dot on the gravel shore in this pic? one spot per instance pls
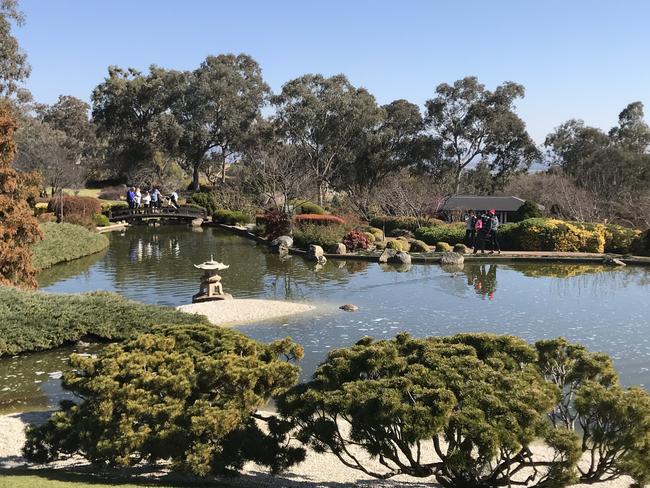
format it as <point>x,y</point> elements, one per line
<point>317,471</point>
<point>239,311</point>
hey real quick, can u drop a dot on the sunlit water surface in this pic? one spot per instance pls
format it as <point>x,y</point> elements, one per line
<point>605,309</point>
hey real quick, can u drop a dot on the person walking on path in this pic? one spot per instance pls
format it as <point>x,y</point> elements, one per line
<point>494,232</point>
<point>470,231</point>
<point>479,235</point>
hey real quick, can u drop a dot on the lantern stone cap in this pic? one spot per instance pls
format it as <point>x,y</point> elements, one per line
<point>211,265</point>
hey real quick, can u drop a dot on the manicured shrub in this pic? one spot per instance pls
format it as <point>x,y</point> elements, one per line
<point>397,245</point>
<point>461,248</point>
<point>614,422</point>
<point>302,207</point>
<point>557,235</point>
<point>112,206</point>
<point>419,246</point>
<point>443,247</point>
<point>85,221</point>
<point>528,210</point>
<point>450,233</point>
<point>231,217</point>
<point>65,242</point>
<point>400,233</point>
<point>35,321</point>
<point>355,240</point>
<point>325,236</point>
<point>378,233</point>
<point>619,239</point>
<point>101,220</point>
<point>389,223</point>
<point>46,217</point>
<point>370,236</point>
<point>641,245</point>
<point>318,219</point>
<point>205,200</point>
<point>185,394</point>
<point>74,206</point>
<point>478,399</point>
<point>113,192</point>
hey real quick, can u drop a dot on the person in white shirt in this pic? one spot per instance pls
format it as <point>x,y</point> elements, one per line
<point>173,199</point>
<point>146,200</point>
<point>137,198</point>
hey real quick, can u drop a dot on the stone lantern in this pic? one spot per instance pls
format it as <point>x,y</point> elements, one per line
<point>211,288</point>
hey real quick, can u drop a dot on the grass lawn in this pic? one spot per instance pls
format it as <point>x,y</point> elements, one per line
<point>66,242</point>
<point>49,478</point>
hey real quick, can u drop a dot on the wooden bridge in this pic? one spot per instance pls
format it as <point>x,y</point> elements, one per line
<point>183,212</point>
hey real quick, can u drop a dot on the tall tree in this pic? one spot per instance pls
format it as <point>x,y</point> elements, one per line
<point>18,227</point>
<point>325,118</point>
<point>473,123</point>
<point>13,61</point>
<point>215,106</point>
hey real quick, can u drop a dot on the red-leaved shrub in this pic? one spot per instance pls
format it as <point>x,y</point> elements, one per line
<point>84,206</point>
<point>276,223</point>
<point>318,219</point>
<point>355,240</point>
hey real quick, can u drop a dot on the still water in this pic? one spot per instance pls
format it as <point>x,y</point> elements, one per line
<point>605,309</point>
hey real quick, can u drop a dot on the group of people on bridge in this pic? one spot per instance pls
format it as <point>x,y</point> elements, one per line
<point>153,199</point>
<point>482,228</point>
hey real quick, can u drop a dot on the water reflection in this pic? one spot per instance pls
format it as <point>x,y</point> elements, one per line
<point>607,309</point>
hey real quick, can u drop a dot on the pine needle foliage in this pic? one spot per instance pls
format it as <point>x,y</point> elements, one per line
<point>184,394</point>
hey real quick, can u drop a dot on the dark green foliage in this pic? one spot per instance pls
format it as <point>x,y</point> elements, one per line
<point>66,242</point>
<point>388,223</point>
<point>231,217</point>
<point>461,248</point>
<point>449,233</point>
<point>33,321</point>
<point>187,394</point>
<point>477,398</point>
<point>206,200</point>
<point>101,220</point>
<point>641,245</point>
<point>325,236</point>
<point>528,210</point>
<point>615,423</point>
<point>308,208</point>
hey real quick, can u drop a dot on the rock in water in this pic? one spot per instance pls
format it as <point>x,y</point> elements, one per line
<point>387,255</point>
<point>348,307</point>
<point>452,258</point>
<point>315,253</point>
<point>609,261</point>
<point>401,257</point>
<point>339,248</point>
<point>282,241</point>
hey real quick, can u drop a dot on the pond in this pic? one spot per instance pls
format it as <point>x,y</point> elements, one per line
<point>606,309</point>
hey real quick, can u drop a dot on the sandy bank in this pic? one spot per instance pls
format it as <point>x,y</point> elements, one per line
<point>318,470</point>
<point>241,311</point>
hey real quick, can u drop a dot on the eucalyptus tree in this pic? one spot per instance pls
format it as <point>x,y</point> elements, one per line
<point>325,119</point>
<point>215,106</point>
<point>474,124</point>
<point>13,61</point>
<point>397,141</point>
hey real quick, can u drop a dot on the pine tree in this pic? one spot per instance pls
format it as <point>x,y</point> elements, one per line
<point>18,226</point>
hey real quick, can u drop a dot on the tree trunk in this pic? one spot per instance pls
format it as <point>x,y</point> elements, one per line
<point>319,189</point>
<point>458,175</point>
<point>223,170</point>
<point>195,177</point>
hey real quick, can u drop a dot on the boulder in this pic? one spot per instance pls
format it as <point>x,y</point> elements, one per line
<point>339,249</point>
<point>401,257</point>
<point>348,307</point>
<point>610,261</point>
<point>282,250</point>
<point>285,241</point>
<point>315,253</point>
<point>452,258</point>
<point>198,222</point>
<point>387,255</point>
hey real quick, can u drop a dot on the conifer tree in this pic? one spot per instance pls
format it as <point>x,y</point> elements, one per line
<point>18,226</point>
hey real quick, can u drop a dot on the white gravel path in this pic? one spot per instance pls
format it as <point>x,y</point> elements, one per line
<point>317,471</point>
<point>239,311</point>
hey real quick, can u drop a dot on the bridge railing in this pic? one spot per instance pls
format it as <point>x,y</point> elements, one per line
<point>182,211</point>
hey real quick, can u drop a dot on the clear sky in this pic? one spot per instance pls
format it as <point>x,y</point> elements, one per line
<point>577,58</point>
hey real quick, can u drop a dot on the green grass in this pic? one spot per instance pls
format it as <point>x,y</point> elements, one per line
<point>50,478</point>
<point>36,321</point>
<point>65,242</point>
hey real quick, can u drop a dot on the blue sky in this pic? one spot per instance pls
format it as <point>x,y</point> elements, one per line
<point>577,58</point>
